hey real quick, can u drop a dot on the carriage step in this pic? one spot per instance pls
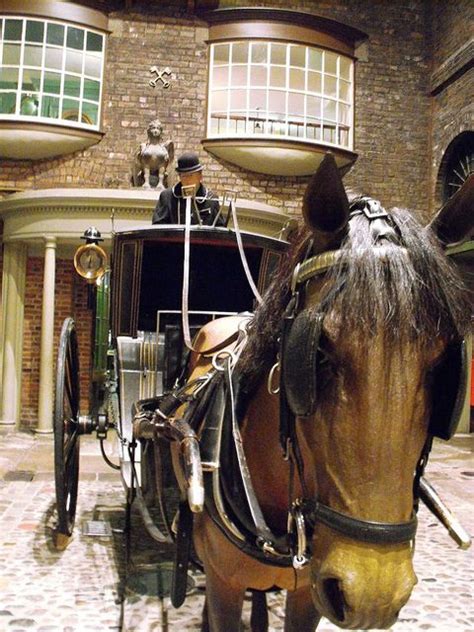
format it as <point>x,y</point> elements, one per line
<point>96,528</point>
<point>19,475</point>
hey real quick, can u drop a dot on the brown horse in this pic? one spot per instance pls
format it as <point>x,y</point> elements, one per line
<point>367,328</point>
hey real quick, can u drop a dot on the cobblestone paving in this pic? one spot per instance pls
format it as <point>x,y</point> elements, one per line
<point>79,589</point>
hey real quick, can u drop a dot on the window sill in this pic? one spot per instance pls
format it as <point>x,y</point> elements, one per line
<point>278,156</point>
<point>24,140</point>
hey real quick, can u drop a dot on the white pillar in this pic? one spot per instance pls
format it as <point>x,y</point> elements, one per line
<point>46,378</point>
<point>11,331</point>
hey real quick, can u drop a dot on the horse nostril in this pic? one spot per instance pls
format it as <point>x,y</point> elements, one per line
<point>335,597</point>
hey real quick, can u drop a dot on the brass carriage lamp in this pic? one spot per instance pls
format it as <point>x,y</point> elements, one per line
<point>90,260</point>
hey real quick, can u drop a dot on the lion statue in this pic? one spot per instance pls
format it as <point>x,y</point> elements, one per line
<point>152,159</point>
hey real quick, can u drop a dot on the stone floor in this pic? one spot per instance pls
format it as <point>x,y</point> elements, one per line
<point>79,589</point>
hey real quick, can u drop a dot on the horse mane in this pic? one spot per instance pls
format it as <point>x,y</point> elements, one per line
<point>407,288</point>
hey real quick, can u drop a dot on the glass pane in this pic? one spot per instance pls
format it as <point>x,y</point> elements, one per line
<point>72,86</point>
<point>259,53</point>
<point>75,38</point>
<point>344,137</point>
<point>330,63</point>
<point>221,53</point>
<point>296,79</point>
<point>33,55</point>
<point>344,90</point>
<point>278,54</point>
<point>344,114</point>
<point>94,41</point>
<point>50,107</point>
<point>238,100</point>
<point>13,29</point>
<point>313,107</point>
<point>258,75</point>
<point>54,58</point>
<point>298,56</point>
<point>74,61</point>
<point>315,59</point>
<point>239,76</point>
<point>29,105</point>
<point>276,104</point>
<point>31,80</point>
<point>220,77</point>
<point>55,34</point>
<point>329,110</point>
<point>314,82</point>
<point>7,102</point>
<point>91,90</point>
<point>330,87</point>
<point>329,134</point>
<point>240,53</point>
<point>34,31</point>
<point>295,104</point>
<point>92,65</point>
<point>277,76</point>
<point>345,67</point>
<point>1,28</point>
<point>52,82</point>
<point>11,54</point>
<point>258,99</point>
<point>9,78</point>
<point>90,113</point>
<point>70,110</point>
<point>219,101</point>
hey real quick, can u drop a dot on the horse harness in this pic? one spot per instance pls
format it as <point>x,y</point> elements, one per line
<point>216,407</point>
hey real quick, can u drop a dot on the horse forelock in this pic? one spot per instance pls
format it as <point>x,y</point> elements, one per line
<point>408,290</point>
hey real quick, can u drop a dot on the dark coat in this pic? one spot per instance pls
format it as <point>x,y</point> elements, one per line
<point>170,208</point>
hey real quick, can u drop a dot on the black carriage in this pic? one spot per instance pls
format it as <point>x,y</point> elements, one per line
<point>139,348</point>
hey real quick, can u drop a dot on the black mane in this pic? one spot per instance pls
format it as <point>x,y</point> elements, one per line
<point>408,288</point>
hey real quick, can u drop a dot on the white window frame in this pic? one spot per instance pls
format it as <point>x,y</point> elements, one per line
<point>290,129</point>
<point>42,68</point>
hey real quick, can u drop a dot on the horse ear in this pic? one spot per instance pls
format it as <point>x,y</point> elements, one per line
<point>455,219</point>
<point>325,205</point>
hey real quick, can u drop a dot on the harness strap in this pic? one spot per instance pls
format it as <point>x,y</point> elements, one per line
<point>362,530</point>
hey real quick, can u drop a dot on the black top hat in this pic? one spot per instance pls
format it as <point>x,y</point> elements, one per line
<point>188,163</point>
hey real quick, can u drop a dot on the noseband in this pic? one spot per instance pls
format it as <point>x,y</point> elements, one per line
<point>313,511</point>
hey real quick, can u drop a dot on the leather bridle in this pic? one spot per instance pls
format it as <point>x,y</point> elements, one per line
<point>313,511</point>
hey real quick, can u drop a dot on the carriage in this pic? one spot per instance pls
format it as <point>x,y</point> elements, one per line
<point>298,450</point>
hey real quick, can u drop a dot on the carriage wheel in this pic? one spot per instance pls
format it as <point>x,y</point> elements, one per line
<point>66,432</point>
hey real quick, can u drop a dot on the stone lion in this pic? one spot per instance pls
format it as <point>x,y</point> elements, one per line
<point>152,159</point>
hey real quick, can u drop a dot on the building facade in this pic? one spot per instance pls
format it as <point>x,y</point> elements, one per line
<point>259,92</point>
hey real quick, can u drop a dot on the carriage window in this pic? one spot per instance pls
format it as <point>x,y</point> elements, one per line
<point>50,72</point>
<point>267,89</point>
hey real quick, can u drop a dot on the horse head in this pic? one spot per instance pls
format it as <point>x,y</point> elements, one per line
<point>376,318</point>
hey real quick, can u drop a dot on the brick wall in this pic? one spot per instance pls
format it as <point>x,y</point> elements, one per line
<point>70,300</point>
<point>452,85</point>
<point>392,105</point>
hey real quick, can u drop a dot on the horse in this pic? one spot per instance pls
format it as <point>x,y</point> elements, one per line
<point>338,388</point>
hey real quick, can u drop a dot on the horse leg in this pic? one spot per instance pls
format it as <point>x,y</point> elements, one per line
<point>223,605</point>
<point>300,613</point>
<point>259,616</point>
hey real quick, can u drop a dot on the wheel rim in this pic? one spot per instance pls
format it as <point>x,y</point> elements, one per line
<point>66,428</point>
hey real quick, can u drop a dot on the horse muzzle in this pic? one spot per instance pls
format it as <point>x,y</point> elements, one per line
<point>360,586</point>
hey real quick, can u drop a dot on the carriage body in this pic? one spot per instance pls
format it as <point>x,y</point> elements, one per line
<point>139,350</point>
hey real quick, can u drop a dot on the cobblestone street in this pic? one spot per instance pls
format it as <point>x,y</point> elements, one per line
<point>43,590</point>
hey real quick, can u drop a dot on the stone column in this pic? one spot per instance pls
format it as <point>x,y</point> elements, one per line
<point>46,383</point>
<point>11,331</point>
